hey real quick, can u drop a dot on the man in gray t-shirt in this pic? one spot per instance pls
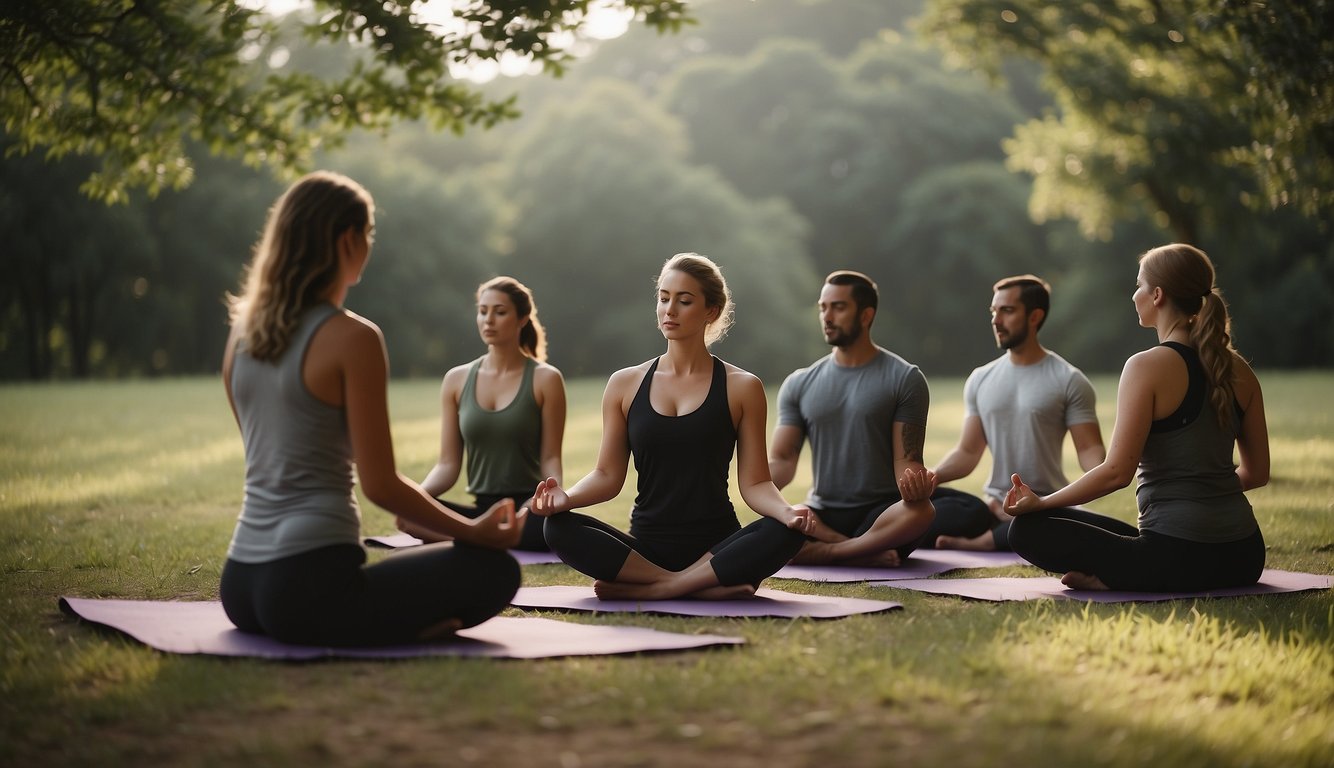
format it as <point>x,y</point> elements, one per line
<point>863,409</point>
<point>1019,405</point>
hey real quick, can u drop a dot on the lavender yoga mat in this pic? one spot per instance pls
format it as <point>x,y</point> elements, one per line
<point>766,602</point>
<point>202,627</point>
<point>919,565</point>
<point>401,540</point>
<point>1035,588</point>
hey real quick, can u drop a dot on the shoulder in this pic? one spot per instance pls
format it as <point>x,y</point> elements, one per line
<point>545,373</point>
<point>628,378</point>
<point>1152,365</point>
<point>797,380</point>
<point>456,377</point>
<point>742,380</point>
<point>895,363</point>
<point>1245,384</point>
<point>348,332</point>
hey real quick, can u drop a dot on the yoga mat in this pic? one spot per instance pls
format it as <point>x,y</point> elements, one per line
<point>1035,588</point>
<point>202,627</point>
<point>919,565</point>
<point>400,540</point>
<point>766,602</point>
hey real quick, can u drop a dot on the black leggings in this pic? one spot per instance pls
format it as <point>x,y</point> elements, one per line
<point>965,515</point>
<point>1124,557</point>
<point>531,540</point>
<point>855,521</point>
<point>599,550</point>
<point>329,596</point>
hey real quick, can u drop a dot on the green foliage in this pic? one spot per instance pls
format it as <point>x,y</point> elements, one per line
<point>136,82</point>
<point>604,196</point>
<point>1183,106</point>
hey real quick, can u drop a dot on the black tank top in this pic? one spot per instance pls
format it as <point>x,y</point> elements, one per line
<point>683,464</point>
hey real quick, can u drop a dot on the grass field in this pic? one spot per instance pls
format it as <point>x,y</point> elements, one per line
<point>131,490</point>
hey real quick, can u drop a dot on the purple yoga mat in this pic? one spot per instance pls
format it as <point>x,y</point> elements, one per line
<point>401,540</point>
<point>766,602</point>
<point>202,627</point>
<point>919,565</point>
<point>1035,588</point>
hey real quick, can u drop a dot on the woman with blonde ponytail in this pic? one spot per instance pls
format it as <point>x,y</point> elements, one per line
<point>505,411</point>
<point>1181,407</point>
<point>307,381</point>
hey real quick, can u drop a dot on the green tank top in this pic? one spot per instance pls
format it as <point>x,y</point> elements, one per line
<point>503,448</point>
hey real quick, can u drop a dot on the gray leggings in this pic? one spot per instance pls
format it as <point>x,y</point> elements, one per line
<point>329,596</point>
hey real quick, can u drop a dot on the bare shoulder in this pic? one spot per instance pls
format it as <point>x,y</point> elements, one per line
<point>1153,361</point>
<point>741,380</point>
<point>347,333</point>
<point>454,378</point>
<point>1244,381</point>
<point>351,326</point>
<point>547,374</point>
<point>628,378</point>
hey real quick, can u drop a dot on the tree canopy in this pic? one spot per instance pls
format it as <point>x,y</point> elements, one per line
<point>138,83</point>
<point>1165,104</point>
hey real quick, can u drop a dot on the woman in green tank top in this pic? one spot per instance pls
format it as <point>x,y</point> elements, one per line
<point>502,416</point>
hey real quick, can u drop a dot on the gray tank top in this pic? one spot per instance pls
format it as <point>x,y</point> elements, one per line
<point>298,480</point>
<point>1188,484</point>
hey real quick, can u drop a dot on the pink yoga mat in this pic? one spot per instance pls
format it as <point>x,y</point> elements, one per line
<point>1035,588</point>
<point>766,602</point>
<point>202,627</point>
<point>401,540</point>
<point>919,565</point>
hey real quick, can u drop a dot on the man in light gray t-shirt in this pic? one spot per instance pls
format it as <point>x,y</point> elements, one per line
<point>1019,405</point>
<point>863,409</point>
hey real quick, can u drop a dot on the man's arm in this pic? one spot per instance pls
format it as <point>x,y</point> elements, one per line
<point>784,450</point>
<point>1088,444</point>
<point>964,457</point>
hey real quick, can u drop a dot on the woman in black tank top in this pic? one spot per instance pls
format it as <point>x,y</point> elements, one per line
<point>679,416</point>
<point>1182,407</point>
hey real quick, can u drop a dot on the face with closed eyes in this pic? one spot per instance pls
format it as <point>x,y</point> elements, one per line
<point>497,320</point>
<point>681,308</point>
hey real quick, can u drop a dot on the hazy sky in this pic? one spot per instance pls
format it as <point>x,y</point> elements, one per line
<point>603,23</point>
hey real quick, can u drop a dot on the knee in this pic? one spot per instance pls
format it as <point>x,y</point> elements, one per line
<point>558,528</point>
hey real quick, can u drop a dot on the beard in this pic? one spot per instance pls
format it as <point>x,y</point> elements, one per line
<point>1013,340</point>
<point>844,337</point>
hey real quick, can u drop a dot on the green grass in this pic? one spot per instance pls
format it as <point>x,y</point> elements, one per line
<point>131,490</point>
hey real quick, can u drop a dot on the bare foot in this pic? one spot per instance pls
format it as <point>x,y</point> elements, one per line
<point>1077,580</point>
<point>664,590</point>
<point>736,592</point>
<point>983,543</point>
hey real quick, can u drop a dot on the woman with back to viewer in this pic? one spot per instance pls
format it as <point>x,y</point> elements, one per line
<point>505,411</point>
<point>1181,408</point>
<point>307,381</point>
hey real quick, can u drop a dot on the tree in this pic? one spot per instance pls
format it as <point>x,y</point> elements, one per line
<point>135,83</point>
<point>1183,107</point>
<point>604,195</point>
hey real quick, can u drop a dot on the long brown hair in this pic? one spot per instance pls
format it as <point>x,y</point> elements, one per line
<point>1186,276</point>
<point>296,259</point>
<point>532,337</point>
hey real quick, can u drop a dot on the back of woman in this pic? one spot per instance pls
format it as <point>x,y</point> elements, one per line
<point>307,382</point>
